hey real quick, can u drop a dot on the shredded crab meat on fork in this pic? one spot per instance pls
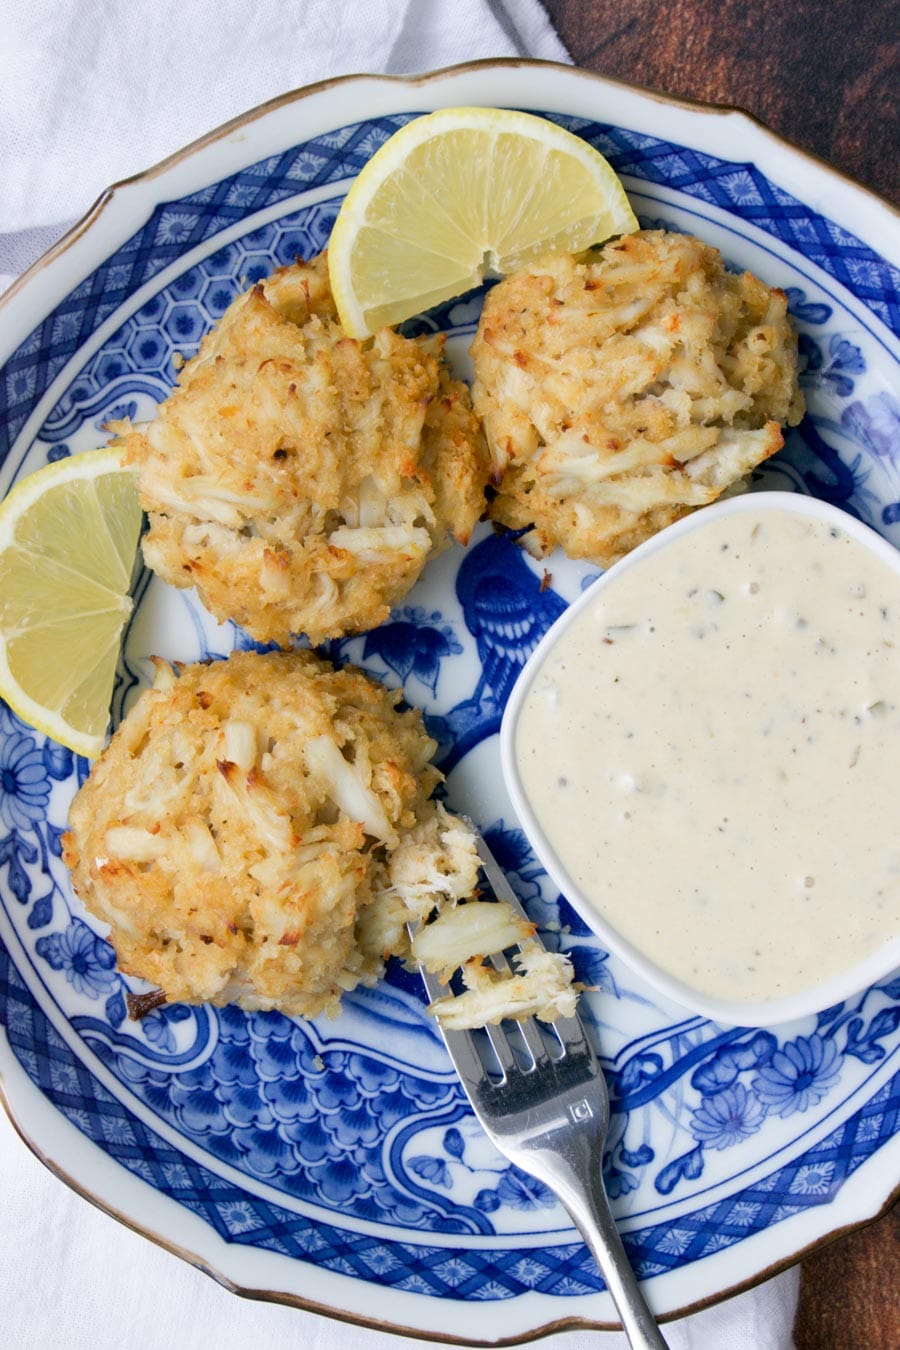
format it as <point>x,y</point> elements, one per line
<point>472,939</point>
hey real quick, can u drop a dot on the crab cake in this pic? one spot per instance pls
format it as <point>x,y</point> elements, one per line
<point>301,479</point>
<point>622,388</point>
<point>259,827</point>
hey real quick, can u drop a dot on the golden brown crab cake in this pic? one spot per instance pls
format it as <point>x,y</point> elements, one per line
<point>299,478</point>
<point>248,821</point>
<point>622,388</point>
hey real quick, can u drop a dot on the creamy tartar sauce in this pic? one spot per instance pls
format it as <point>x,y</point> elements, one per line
<point>713,751</point>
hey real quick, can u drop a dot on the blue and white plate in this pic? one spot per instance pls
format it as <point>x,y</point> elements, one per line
<point>336,1164</point>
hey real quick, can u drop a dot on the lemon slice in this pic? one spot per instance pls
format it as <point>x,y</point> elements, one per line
<point>457,193</point>
<point>68,538</point>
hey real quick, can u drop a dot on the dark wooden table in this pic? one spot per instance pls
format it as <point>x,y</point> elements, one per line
<point>824,74</point>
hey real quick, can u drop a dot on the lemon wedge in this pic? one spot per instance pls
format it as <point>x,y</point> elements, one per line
<point>460,192</point>
<point>68,539</point>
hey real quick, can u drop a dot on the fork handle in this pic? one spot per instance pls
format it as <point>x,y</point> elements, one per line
<point>574,1173</point>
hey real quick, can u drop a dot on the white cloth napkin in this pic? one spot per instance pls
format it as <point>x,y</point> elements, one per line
<point>94,90</point>
<point>90,92</point>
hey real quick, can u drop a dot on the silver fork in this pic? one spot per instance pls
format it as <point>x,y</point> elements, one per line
<point>547,1110</point>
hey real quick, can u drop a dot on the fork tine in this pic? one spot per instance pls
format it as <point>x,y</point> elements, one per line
<point>499,884</point>
<point>433,986</point>
<point>502,1048</point>
<point>572,1036</point>
<point>534,1040</point>
<point>466,1059</point>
